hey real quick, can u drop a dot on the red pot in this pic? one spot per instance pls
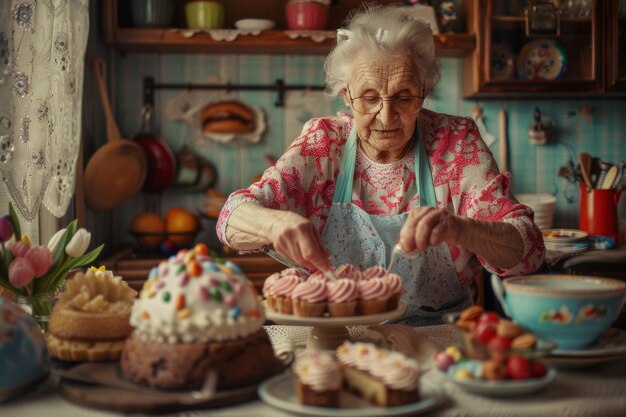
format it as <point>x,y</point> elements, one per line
<point>161,161</point>
<point>303,15</point>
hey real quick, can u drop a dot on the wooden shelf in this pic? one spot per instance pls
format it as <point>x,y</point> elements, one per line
<point>132,40</point>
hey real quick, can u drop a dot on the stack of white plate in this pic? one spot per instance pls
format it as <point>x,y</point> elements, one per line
<point>565,240</point>
<point>543,205</point>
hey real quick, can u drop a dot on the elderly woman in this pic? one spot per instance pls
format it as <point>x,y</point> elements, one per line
<point>351,188</point>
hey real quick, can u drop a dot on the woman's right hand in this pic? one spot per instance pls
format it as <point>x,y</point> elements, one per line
<point>295,237</point>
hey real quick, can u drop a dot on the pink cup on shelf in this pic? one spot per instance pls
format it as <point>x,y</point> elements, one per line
<point>306,15</point>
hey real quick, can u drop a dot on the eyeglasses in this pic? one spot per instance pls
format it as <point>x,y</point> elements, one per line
<point>374,104</point>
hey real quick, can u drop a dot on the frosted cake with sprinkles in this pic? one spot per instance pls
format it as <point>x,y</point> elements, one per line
<point>197,314</point>
<point>192,298</point>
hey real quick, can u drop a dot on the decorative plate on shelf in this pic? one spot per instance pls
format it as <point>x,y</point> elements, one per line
<point>502,62</point>
<point>543,59</point>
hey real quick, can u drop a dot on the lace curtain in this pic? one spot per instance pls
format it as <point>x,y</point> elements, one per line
<point>42,50</point>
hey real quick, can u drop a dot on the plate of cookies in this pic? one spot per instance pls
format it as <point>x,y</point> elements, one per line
<point>483,334</point>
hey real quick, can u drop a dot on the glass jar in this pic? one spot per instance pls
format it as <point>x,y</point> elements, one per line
<point>39,307</point>
<point>152,13</point>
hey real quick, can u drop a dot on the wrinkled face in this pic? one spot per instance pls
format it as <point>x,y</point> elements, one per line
<point>384,135</point>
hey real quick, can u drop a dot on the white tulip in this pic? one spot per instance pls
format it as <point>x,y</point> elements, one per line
<point>54,240</point>
<point>78,244</point>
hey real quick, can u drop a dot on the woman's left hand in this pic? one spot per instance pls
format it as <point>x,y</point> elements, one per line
<point>429,226</point>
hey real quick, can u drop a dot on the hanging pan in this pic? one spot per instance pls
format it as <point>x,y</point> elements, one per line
<point>118,169</point>
<point>161,162</point>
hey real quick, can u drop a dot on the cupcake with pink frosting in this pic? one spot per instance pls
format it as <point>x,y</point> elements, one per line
<point>279,297</point>
<point>376,271</point>
<point>342,297</point>
<point>394,282</point>
<point>373,296</point>
<point>348,271</point>
<point>309,298</point>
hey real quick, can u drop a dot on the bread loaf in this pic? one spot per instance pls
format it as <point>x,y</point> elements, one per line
<point>227,117</point>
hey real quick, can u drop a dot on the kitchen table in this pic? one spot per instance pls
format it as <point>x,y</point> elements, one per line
<point>599,390</point>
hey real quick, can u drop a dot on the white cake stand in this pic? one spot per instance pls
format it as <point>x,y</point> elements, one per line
<point>329,332</point>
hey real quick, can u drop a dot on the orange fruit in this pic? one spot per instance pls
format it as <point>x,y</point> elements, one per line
<point>148,223</point>
<point>172,212</point>
<point>181,221</point>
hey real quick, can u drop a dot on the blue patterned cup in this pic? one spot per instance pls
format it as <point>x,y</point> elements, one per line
<point>570,310</point>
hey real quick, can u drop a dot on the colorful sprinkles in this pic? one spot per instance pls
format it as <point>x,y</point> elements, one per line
<point>221,284</point>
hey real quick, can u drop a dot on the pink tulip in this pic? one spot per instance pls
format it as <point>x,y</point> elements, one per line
<point>40,258</point>
<point>19,249</point>
<point>20,272</point>
<point>6,228</point>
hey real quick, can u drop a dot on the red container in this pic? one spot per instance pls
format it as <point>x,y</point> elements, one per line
<point>598,212</point>
<point>307,15</point>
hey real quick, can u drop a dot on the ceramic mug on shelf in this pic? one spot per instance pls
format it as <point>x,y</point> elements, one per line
<point>306,15</point>
<point>204,15</point>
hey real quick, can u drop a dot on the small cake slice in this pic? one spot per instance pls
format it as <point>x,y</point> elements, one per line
<point>317,379</point>
<point>380,376</point>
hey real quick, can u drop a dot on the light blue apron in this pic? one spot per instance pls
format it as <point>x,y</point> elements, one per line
<point>431,284</point>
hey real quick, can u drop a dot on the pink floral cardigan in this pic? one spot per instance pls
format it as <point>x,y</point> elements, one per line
<point>466,179</point>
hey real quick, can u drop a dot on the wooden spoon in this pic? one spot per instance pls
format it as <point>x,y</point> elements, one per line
<point>585,168</point>
<point>118,169</point>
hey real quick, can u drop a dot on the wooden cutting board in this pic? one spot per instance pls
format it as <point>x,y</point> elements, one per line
<point>121,395</point>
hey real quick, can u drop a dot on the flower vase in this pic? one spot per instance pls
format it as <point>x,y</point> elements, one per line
<point>39,307</point>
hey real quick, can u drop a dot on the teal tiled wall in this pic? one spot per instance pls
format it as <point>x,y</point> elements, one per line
<point>534,168</point>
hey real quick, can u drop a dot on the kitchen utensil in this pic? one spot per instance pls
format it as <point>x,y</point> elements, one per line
<point>598,211</point>
<point>280,258</point>
<point>118,169</point>
<point>161,162</point>
<point>503,146</point>
<point>585,168</point>
<point>609,178</point>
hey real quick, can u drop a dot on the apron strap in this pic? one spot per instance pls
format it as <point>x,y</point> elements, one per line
<point>343,186</point>
<point>423,174</point>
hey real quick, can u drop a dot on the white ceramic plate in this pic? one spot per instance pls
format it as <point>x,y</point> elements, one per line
<point>563,235</point>
<point>279,392</point>
<point>254,24</point>
<point>335,321</point>
<point>611,343</point>
<point>507,388</point>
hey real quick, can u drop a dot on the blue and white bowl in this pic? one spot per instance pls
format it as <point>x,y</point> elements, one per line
<point>570,310</point>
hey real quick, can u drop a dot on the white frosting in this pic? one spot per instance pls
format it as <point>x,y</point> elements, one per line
<point>191,299</point>
<point>318,370</point>
<point>395,370</point>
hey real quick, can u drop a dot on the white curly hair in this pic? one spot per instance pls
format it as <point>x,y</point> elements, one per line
<point>403,36</point>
